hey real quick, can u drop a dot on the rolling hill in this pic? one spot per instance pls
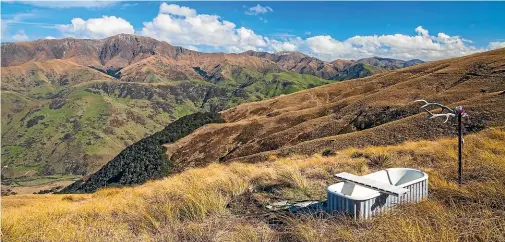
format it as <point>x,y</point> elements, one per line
<point>71,105</point>
<point>376,110</point>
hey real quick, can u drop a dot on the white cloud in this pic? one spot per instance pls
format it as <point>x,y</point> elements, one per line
<point>421,31</point>
<point>183,26</point>
<point>49,37</point>
<point>421,46</point>
<point>68,4</point>
<point>325,44</point>
<point>20,36</point>
<point>177,10</point>
<point>96,27</point>
<point>496,45</point>
<point>277,46</point>
<point>258,9</point>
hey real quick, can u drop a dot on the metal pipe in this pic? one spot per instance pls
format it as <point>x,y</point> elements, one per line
<point>460,144</point>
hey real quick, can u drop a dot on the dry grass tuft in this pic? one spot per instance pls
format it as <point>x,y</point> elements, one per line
<point>196,205</point>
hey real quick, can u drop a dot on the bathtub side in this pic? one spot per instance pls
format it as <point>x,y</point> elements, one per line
<point>337,203</point>
<point>363,209</point>
<point>418,191</point>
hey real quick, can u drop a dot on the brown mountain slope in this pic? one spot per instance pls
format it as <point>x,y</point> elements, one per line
<point>109,53</point>
<point>303,64</point>
<point>143,58</point>
<point>31,77</point>
<point>375,110</point>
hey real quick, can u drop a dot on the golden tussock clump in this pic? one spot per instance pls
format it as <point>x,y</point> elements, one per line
<point>206,204</point>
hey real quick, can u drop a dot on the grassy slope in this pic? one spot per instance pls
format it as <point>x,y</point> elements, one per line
<point>219,202</point>
<point>84,119</point>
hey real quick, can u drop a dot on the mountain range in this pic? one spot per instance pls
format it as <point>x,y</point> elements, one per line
<point>335,70</point>
<point>70,105</point>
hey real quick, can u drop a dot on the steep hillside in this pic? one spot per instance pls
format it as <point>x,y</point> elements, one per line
<point>78,129</point>
<point>335,70</point>
<point>376,110</point>
<point>39,80</point>
<point>145,159</point>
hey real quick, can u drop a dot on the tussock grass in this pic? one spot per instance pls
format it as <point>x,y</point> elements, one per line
<point>195,205</point>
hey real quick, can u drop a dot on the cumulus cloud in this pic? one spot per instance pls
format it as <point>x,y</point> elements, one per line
<point>184,26</point>
<point>496,45</point>
<point>288,44</point>
<point>49,37</point>
<point>325,44</point>
<point>20,36</point>
<point>177,10</point>
<point>421,46</point>
<point>258,9</point>
<point>96,27</point>
<point>284,46</point>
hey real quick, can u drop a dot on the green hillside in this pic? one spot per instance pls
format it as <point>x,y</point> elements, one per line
<point>75,129</point>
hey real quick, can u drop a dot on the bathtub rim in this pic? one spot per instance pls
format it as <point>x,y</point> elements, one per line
<point>377,193</point>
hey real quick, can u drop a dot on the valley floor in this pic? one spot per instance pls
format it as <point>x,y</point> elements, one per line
<point>35,184</point>
<point>225,202</point>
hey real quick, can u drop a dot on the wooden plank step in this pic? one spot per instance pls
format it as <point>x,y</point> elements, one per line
<point>372,184</point>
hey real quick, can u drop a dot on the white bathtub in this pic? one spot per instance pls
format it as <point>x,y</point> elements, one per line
<point>362,202</point>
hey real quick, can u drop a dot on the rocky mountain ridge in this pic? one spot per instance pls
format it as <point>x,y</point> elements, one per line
<point>112,54</point>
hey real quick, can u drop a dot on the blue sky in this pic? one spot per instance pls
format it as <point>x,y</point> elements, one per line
<point>328,30</point>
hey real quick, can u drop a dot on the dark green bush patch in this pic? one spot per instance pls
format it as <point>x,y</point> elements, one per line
<point>145,159</point>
